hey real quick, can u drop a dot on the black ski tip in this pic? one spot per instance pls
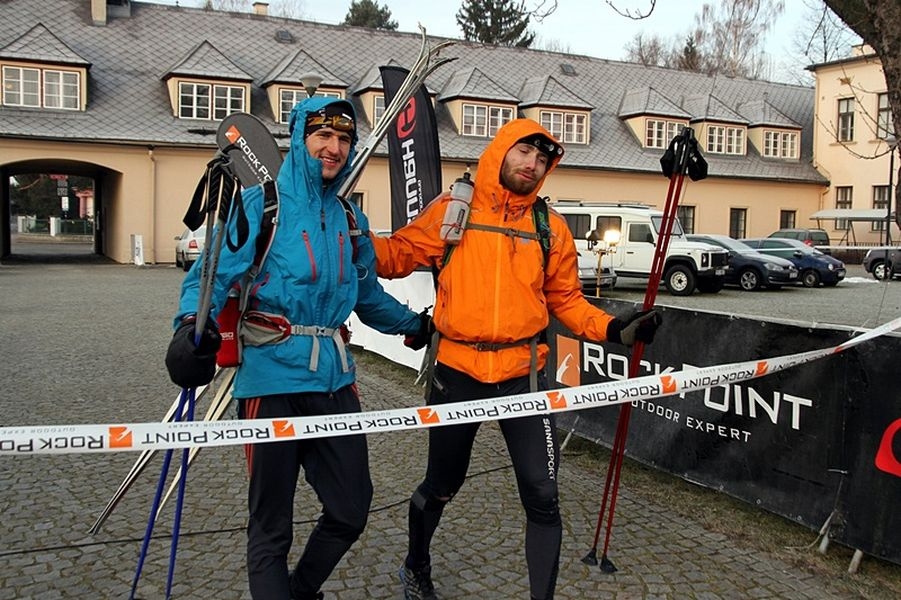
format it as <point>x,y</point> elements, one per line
<point>607,566</point>
<point>591,558</point>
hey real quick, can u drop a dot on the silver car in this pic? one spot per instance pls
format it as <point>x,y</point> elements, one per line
<point>189,247</point>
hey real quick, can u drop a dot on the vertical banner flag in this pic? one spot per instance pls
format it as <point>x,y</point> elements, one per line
<point>414,156</point>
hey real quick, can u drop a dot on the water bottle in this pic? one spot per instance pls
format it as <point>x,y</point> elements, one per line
<point>457,212</point>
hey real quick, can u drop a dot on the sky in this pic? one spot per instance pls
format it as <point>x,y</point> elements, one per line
<point>589,27</point>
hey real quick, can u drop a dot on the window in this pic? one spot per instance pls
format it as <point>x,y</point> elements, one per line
<point>227,99</point>
<point>579,225</point>
<point>207,101</point>
<point>23,87</point>
<point>884,124</point>
<point>686,216</point>
<point>61,89</point>
<point>843,197</point>
<point>356,198</point>
<point>738,222</point>
<point>641,232</point>
<point>787,219</point>
<point>378,108</point>
<point>880,201</point>
<point>288,97</point>
<point>725,140</point>
<point>475,120</point>
<point>659,133</point>
<point>570,128</point>
<point>481,120</point>
<point>780,144</point>
<point>498,116</point>
<point>845,120</point>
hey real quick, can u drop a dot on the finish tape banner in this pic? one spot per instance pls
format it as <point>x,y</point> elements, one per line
<point>66,439</point>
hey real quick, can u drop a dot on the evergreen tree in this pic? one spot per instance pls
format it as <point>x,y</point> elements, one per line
<point>690,58</point>
<point>368,13</point>
<point>501,22</point>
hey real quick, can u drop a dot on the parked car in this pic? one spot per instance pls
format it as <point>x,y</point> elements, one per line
<point>874,262</point>
<point>818,238</point>
<point>814,267</point>
<point>189,247</point>
<point>749,269</point>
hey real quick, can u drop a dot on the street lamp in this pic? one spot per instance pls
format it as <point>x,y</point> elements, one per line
<point>310,81</point>
<point>892,142</point>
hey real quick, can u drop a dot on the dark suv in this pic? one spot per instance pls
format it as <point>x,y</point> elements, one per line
<point>874,262</point>
<point>817,238</point>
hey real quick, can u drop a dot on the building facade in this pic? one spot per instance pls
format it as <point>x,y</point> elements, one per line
<point>131,94</point>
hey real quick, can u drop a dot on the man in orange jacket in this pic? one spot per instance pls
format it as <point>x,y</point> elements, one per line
<point>495,291</point>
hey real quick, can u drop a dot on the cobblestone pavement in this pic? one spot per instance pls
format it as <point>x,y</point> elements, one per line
<point>84,343</point>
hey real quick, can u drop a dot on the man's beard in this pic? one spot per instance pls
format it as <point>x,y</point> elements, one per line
<point>519,187</point>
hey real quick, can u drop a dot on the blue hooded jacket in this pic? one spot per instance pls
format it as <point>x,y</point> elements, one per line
<point>309,276</point>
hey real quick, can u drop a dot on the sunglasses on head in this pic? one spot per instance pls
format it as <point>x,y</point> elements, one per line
<point>336,122</point>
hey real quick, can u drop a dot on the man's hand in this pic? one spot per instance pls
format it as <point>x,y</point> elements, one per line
<point>423,337</point>
<point>641,326</point>
<point>193,365</point>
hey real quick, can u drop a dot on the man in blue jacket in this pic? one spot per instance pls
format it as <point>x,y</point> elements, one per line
<point>313,277</point>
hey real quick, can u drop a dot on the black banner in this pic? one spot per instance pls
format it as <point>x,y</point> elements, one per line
<point>815,440</point>
<point>414,154</point>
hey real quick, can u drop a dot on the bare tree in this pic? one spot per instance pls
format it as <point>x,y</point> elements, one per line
<point>289,9</point>
<point>648,50</point>
<point>552,45</point>
<point>822,36</point>
<point>228,5</point>
<point>730,35</point>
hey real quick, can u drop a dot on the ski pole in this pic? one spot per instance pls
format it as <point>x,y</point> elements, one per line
<point>682,157</point>
<point>219,189</point>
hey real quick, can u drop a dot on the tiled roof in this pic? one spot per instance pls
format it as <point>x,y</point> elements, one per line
<point>205,60</point>
<point>648,101</point>
<point>707,107</point>
<point>128,103</point>
<point>761,113</point>
<point>297,64</point>
<point>547,91</point>
<point>38,44</point>
<point>472,83</point>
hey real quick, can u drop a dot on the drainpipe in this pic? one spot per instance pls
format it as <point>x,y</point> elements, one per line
<point>152,220</point>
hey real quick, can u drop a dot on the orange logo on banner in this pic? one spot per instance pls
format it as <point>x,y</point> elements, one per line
<point>885,457</point>
<point>283,429</point>
<point>569,361</point>
<point>557,400</point>
<point>427,415</point>
<point>762,368</point>
<point>669,384</point>
<point>232,134</point>
<point>120,437</point>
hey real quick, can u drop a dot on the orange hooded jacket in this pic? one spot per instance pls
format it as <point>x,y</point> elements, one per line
<point>495,287</point>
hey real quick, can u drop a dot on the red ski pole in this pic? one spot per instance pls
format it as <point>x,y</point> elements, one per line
<point>681,158</point>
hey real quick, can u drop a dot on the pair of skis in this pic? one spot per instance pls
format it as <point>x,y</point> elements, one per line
<point>239,137</point>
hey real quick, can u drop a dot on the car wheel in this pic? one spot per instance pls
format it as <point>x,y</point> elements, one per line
<point>680,281</point>
<point>185,265</point>
<point>177,262</point>
<point>879,270</point>
<point>810,278</point>
<point>749,280</point>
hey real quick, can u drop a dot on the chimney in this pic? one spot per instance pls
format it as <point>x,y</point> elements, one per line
<point>98,12</point>
<point>260,8</point>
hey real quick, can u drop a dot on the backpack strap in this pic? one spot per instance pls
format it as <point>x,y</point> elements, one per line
<point>352,227</point>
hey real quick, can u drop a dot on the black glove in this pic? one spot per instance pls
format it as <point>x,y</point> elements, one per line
<point>641,326</point>
<point>192,365</point>
<point>423,337</point>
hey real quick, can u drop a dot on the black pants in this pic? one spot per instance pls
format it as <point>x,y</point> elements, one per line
<point>338,470</point>
<point>532,444</point>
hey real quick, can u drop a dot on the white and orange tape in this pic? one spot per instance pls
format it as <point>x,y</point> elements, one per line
<point>120,437</point>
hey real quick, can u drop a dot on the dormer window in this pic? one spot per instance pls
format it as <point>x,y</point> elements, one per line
<point>780,144</point>
<point>41,88</point>
<point>722,139</point>
<point>568,127</point>
<point>378,107</point>
<point>660,132</point>
<point>209,101</point>
<point>288,97</point>
<point>482,120</point>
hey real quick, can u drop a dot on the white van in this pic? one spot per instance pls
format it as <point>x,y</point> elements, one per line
<point>689,265</point>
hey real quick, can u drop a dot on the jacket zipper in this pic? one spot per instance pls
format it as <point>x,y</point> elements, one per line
<point>309,247</point>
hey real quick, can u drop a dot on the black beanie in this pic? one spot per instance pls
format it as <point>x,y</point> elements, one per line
<point>547,145</point>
